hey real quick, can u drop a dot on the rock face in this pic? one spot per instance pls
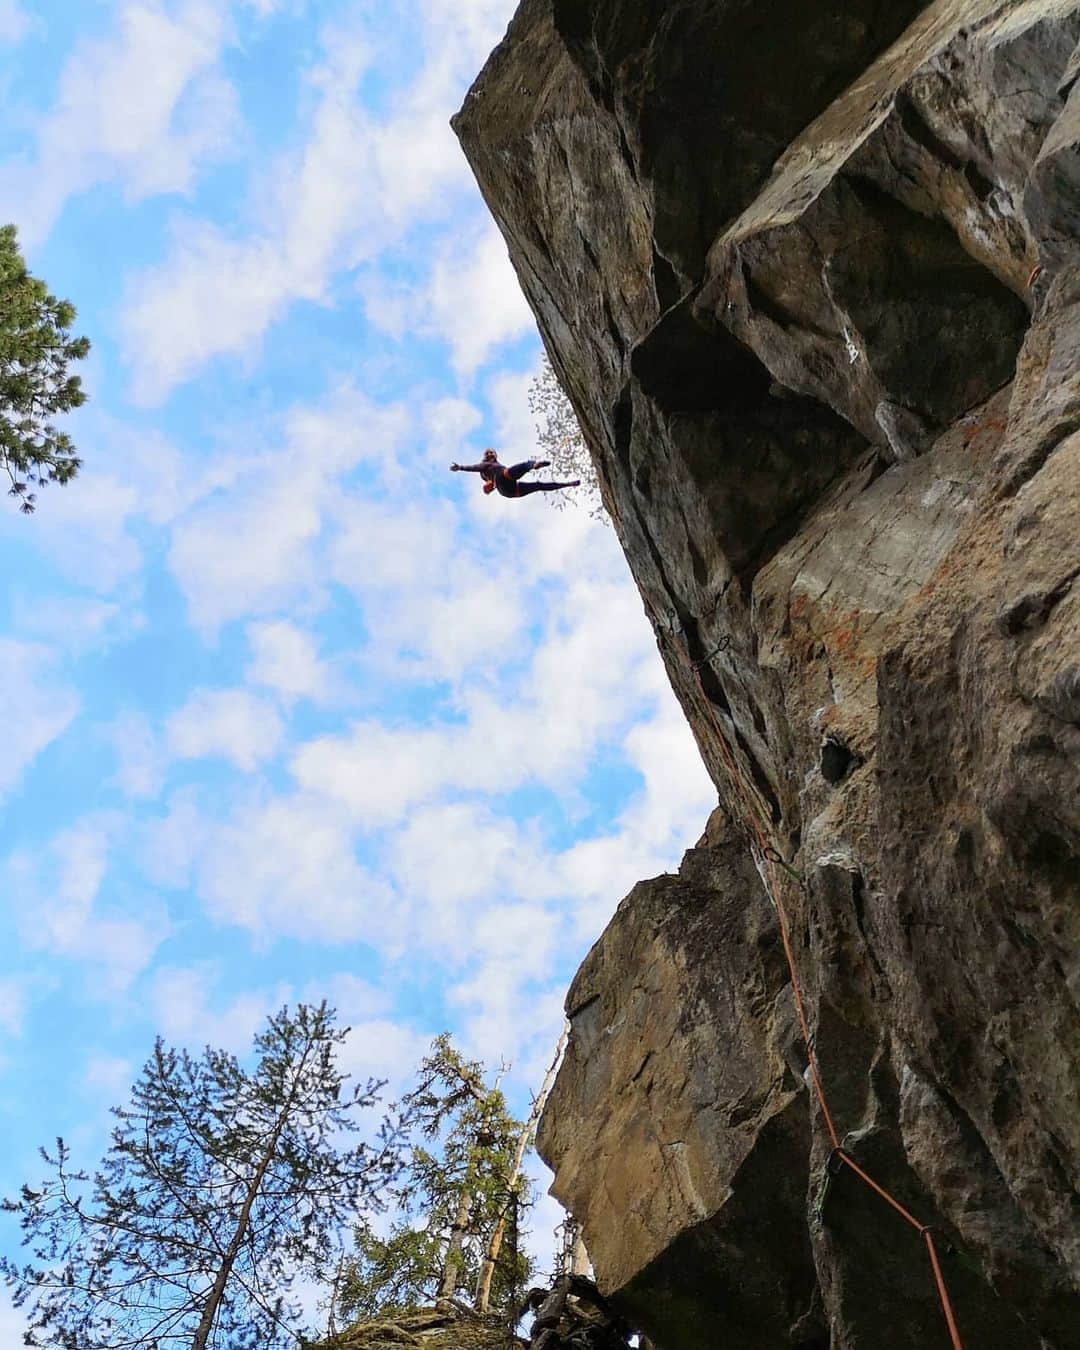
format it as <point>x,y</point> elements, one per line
<point>810,275</point>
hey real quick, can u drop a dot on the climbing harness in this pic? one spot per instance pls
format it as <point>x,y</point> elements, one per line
<point>767,859</point>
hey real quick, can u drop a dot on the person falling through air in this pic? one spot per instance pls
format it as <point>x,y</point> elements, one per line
<point>506,479</point>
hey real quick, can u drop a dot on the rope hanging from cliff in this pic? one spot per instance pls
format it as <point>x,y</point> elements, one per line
<point>766,859</point>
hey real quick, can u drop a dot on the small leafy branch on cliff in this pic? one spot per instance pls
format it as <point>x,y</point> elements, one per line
<point>560,440</point>
<point>218,1188</point>
<point>35,351</point>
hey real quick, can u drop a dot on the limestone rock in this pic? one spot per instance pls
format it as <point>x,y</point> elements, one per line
<point>810,275</point>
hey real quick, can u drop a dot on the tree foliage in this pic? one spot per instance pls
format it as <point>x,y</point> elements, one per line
<point>219,1186</point>
<point>399,1272</point>
<point>561,440</point>
<point>36,348</point>
<point>456,1186</point>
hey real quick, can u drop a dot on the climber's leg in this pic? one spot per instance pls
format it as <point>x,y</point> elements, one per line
<point>523,489</point>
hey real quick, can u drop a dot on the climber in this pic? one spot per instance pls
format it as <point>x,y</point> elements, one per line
<point>506,479</point>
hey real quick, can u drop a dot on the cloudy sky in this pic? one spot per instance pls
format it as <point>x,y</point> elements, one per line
<point>291,711</point>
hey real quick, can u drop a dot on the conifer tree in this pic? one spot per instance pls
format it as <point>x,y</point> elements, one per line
<point>36,348</point>
<point>219,1187</point>
<point>455,1193</point>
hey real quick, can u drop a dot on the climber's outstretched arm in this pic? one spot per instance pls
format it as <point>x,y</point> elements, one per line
<point>468,468</point>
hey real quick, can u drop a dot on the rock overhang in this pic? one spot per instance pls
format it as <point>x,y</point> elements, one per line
<point>851,528</point>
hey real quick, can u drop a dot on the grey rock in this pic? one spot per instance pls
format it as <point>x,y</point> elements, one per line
<point>809,274</point>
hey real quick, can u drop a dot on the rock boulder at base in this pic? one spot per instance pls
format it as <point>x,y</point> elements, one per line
<point>448,1326</point>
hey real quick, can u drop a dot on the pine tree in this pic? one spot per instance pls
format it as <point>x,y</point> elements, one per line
<point>219,1187</point>
<point>396,1273</point>
<point>455,1194</point>
<point>35,351</point>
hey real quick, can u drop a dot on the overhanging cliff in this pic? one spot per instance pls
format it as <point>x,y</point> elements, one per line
<point>809,274</point>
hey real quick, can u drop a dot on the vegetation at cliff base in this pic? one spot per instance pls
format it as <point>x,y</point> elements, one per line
<point>224,1187</point>
<point>461,1198</point>
<point>36,349</point>
<point>220,1186</point>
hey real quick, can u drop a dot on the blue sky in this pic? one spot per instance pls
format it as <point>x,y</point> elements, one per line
<point>293,711</point>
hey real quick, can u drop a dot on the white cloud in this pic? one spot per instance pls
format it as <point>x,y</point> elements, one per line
<point>448,422</point>
<point>13,1322</point>
<point>507,1014</point>
<point>131,478</point>
<point>285,659</point>
<point>217,294</point>
<point>377,773</point>
<point>285,867</point>
<point>515,425</point>
<point>168,846</point>
<point>231,723</point>
<point>394,547</point>
<point>72,622</point>
<point>43,705</point>
<point>57,893</point>
<point>109,1077</point>
<point>451,854</point>
<point>517,941</point>
<point>585,681</point>
<point>83,530</point>
<point>13,22</point>
<point>383,1049</point>
<point>658,823</point>
<point>12,1005</point>
<point>189,1010</point>
<point>435,604</point>
<point>476,886</point>
<point>247,553</point>
<point>353,999</point>
<point>677,790</point>
<point>249,548</point>
<point>471,300</point>
<point>182,999</point>
<point>214,295</point>
<point>140,767</point>
<point>451,863</point>
<point>355,188</point>
<point>505,949</point>
<point>531,620</point>
<point>144,107</point>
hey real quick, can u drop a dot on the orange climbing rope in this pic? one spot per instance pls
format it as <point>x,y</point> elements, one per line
<point>765,856</point>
